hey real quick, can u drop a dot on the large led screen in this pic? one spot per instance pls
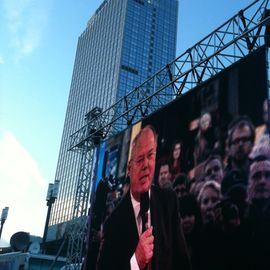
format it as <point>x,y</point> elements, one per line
<point>202,146</point>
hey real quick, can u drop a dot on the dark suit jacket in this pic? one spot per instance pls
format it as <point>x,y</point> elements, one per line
<point>121,235</point>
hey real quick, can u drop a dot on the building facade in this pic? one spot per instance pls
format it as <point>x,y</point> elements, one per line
<point>124,42</point>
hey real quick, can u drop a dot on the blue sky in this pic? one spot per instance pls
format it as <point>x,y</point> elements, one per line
<point>38,40</point>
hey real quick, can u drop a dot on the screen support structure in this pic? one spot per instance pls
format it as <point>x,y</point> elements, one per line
<point>76,231</point>
<point>232,41</point>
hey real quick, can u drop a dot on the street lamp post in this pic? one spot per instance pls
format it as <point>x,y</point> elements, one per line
<point>3,218</point>
<point>51,197</point>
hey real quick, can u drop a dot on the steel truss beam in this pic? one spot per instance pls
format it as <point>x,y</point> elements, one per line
<point>230,42</point>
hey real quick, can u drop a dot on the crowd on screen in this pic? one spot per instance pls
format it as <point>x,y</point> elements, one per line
<point>224,201</point>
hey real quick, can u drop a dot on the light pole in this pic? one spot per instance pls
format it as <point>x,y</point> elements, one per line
<point>51,197</point>
<point>3,218</point>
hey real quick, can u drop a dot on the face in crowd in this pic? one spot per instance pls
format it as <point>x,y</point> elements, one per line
<point>208,197</point>
<point>213,170</point>
<point>180,190</point>
<point>142,163</point>
<point>176,151</point>
<point>259,180</point>
<point>180,185</point>
<point>188,223</point>
<point>205,121</point>
<point>164,177</point>
<point>241,143</point>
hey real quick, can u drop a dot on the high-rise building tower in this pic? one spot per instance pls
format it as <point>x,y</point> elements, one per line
<point>124,42</point>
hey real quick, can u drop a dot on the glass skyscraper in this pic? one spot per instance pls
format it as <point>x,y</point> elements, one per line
<point>124,42</point>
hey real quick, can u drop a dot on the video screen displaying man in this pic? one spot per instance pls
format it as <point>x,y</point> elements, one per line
<point>125,245</point>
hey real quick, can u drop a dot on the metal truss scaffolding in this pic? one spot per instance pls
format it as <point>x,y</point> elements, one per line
<point>78,226</point>
<point>236,38</point>
<point>77,229</point>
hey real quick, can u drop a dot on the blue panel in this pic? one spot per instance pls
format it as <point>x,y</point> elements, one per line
<point>100,164</point>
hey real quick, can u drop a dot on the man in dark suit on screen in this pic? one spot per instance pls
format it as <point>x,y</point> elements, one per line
<point>137,236</point>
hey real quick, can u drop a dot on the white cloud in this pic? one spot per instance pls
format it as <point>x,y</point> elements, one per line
<point>26,21</point>
<point>23,189</point>
<point>1,60</point>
